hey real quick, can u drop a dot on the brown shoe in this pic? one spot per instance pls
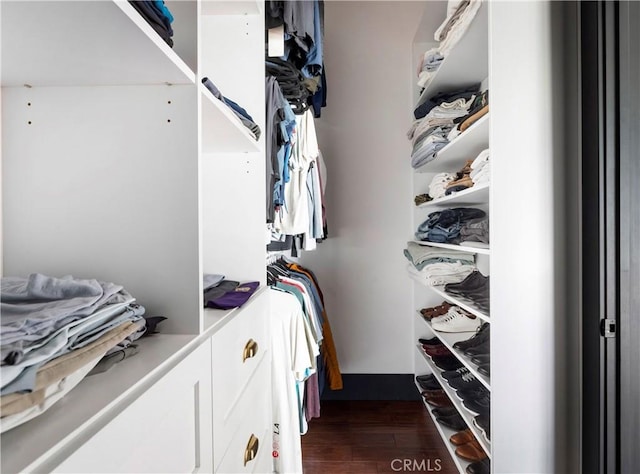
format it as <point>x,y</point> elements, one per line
<point>439,400</point>
<point>439,310</point>
<point>471,451</point>
<point>462,437</point>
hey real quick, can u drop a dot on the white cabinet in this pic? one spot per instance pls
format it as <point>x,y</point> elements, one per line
<point>119,165</point>
<point>167,429</point>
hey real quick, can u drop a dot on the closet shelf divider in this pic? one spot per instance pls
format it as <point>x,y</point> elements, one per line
<point>462,248</point>
<point>474,195</point>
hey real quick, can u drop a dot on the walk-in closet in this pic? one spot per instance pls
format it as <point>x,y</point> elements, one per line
<point>316,236</point>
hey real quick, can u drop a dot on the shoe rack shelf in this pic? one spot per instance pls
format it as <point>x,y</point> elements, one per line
<point>449,339</point>
<point>465,64</point>
<point>464,303</point>
<point>472,196</point>
<point>463,248</point>
<point>466,415</point>
<point>445,434</point>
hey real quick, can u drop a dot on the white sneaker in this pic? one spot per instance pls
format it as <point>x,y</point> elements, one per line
<point>456,320</point>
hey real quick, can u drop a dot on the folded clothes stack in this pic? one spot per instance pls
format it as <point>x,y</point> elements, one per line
<point>444,226</point>
<point>478,109</point>
<point>480,169</point>
<point>438,266</point>
<point>158,16</point>
<point>54,331</point>
<point>474,287</point>
<point>460,14</point>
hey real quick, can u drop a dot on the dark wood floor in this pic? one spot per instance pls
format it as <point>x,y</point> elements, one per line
<point>367,436</point>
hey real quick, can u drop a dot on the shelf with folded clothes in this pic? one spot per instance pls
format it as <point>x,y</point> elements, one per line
<point>477,194</point>
<point>465,146</point>
<point>465,413</point>
<point>446,433</point>
<point>86,44</point>
<point>97,397</point>
<point>467,62</point>
<point>231,7</point>
<point>448,340</point>
<point>222,130</point>
<point>481,249</point>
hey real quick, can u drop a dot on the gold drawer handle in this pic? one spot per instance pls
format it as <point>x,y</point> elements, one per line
<point>251,451</point>
<point>250,350</point>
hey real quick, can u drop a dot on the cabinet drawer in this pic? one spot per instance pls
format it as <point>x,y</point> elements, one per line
<point>166,429</point>
<point>238,348</point>
<point>249,452</point>
<point>251,414</point>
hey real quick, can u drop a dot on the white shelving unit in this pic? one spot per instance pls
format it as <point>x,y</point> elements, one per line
<point>479,250</point>
<point>466,415</point>
<point>473,195</point>
<point>466,63</point>
<point>231,7</point>
<point>449,339</point>
<point>465,146</point>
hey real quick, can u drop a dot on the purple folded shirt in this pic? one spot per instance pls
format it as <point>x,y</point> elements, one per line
<point>234,298</point>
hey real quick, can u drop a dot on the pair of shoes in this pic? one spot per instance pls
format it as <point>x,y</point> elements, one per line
<point>456,320</point>
<point>483,423</point>
<point>480,349</point>
<point>481,359</point>
<point>472,394</point>
<point>471,451</point>
<point>434,341</point>
<point>452,374</point>
<point>454,422</point>
<point>437,399</point>
<point>479,405</point>
<point>448,362</point>
<point>445,411</point>
<point>479,467</point>
<point>474,281</point>
<point>440,350</point>
<point>478,338</point>
<point>462,437</point>
<point>484,369</point>
<point>464,382</point>
<point>434,311</point>
<point>428,383</point>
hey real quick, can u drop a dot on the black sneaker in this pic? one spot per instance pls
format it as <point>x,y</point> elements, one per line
<point>469,394</point>
<point>479,467</point>
<point>483,423</point>
<point>446,362</point>
<point>454,422</point>
<point>431,384</point>
<point>445,411</point>
<point>479,405</point>
<point>485,369</point>
<point>452,374</point>
<point>466,382</point>
<point>478,338</point>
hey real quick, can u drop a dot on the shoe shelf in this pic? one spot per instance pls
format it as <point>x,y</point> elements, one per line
<point>449,339</point>
<point>471,196</point>
<point>466,64</point>
<point>87,44</point>
<point>466,415</point>
<point>464,303</point>
<point>464,248</point>
<point>445,434</point>
<point>222,130</point>
<point>465,146</point>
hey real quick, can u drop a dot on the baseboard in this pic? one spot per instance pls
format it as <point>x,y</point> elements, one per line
<point>374,387</point>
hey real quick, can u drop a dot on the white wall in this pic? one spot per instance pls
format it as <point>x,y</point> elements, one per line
<point>362,136</point>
